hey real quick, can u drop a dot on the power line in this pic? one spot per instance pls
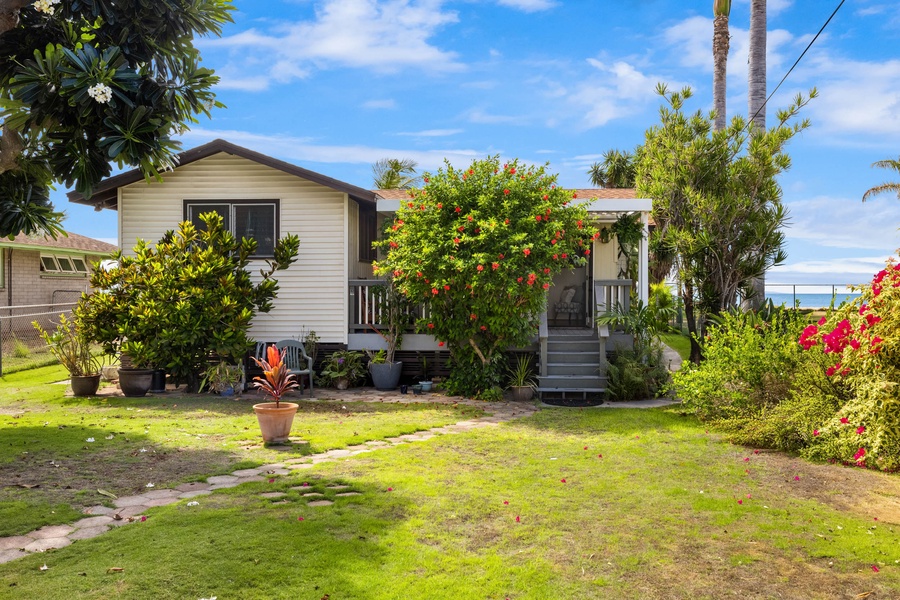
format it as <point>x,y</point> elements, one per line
<point>796,62</point>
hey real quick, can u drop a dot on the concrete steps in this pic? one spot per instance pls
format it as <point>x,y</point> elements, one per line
<point>575,368</point>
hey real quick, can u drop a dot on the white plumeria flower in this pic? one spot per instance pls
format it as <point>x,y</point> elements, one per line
<point>193,503</point>
<point>100,92</point>
<point>45,6</point>
<point>150,485</point>
<point>45,567</point>
<point>142,450</point>
<point>89,440</point>
<point>110,436</point>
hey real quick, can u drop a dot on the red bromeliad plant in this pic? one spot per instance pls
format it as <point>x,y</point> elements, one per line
<point>863,340</point>
<point>480,247</point>
<point>277,379</point>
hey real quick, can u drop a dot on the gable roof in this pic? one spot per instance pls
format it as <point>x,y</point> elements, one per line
<point>583,194</point>
<point>73,244</point>
<point>105,193</point>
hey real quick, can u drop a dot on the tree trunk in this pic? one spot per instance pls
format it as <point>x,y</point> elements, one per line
<point>687,297</point>
<point>756,93</point>
<point>721,44</point>
<point>9,13</point>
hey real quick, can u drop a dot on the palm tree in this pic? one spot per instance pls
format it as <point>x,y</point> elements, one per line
<point>616,170</point>
<point>885,187</point>
<point>721,43</point>
<point>756,107</point>
<point>756,90</point>
<point>395,174</point>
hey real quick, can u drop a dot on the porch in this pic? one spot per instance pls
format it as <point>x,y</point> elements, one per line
<point>571,359</point>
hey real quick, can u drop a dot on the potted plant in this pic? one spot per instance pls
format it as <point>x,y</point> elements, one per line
<point>72,349</point>
<point>275,417</point>
<point>223,379</point>
<point>522,381</point>
<point>426,381</point>
<point>343,368</point>
<point>136,371</point>
<point>384,369</point>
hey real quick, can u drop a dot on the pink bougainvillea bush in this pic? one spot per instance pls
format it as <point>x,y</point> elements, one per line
<point>480,246</point>
<point>861,345</point>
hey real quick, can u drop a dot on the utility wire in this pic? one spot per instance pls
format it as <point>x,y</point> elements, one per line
<point>796,62</point>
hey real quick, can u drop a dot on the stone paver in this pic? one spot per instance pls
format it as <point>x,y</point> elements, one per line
<point>221,479</point>
<point>88,532</point>
<point>16,542</point>
<point>92,522</point>
<point>44,544</point>
<point>51,531</point>
<point>320,503</point>
<point>10,555</point>
<point>131,509</point>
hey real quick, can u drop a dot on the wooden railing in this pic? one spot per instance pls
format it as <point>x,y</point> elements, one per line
<point>610,295</point>
<point>367,307</point>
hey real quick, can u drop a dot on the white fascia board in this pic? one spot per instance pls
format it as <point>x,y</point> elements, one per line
<point>386,206</point>
<point>621,205</point>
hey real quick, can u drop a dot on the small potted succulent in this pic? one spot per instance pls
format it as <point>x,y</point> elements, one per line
<point>275,417</point>
<point>223,379</point>
<point>521,379</point>
<point>72,349</point>
<point>343,368</point>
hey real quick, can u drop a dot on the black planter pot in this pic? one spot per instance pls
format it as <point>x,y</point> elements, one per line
<point>158,381</point>
<point>135,382</point>
<point>385,376</point>
<point>85,385</point>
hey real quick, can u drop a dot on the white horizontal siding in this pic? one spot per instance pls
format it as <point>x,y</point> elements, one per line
<point>313,291</point>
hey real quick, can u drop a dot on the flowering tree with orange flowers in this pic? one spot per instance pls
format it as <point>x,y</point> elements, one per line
<point>480,247</point>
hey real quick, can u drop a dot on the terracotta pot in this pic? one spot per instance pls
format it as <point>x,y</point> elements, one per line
<point>135,382</point>
<point>85,385</point>
<point>275,423</point>
<point>522,393</point>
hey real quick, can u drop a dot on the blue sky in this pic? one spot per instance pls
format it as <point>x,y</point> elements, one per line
<point>334,85</point>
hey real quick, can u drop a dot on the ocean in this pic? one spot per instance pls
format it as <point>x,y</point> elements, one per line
<point>810,300</point>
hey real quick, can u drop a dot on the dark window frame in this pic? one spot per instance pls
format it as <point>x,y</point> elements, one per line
<point>231,203</point>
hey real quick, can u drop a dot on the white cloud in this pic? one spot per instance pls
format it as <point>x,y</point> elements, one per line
<point>478,115</point>
<point>382,36</point>
<point>380,104</point>
<point>302,150</point>
<point>619,90</point>
<point>431,133</point>
<point>845,222</point>
<point>856,97</point>
<point>528,5</point>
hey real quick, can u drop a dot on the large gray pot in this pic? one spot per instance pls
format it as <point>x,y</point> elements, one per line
<point>385,376</point>
<point>135,382</point>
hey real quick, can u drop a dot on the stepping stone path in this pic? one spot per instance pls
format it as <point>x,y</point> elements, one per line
<point>131,509</point>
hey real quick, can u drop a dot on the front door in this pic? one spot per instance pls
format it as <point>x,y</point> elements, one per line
<point>570,299</point>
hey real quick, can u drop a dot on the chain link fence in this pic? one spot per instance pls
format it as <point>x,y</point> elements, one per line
<point>21,347</point>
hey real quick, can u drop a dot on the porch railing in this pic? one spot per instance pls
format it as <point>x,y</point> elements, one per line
<point>610,295</point>
<point>367,310</point>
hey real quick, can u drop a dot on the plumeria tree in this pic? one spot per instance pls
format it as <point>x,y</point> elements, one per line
<point>88,85</point>
<point>480,247</point>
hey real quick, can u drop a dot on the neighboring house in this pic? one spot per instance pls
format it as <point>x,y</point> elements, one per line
<point>328,289</point>
<point>38,270</point>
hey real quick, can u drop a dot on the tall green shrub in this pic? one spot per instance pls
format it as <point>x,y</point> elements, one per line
<point>171,305</point>
<point>480,247</point>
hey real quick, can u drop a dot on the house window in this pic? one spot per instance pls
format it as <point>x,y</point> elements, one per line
<point>255,219</point>
<point>63,265</point>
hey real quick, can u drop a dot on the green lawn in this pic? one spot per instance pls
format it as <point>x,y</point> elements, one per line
<point>678,342</point>
<point>50,470</point>
<point>594,503</point>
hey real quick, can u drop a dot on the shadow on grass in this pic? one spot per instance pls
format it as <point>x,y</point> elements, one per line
<point>234,544</point>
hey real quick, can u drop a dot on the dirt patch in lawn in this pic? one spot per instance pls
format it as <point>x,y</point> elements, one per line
<point>869,494</point>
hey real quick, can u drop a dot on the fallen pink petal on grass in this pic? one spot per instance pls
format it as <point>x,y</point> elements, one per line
<point>599,456</point>
<point>585,447</point>
<point>517,519</point>
<point>796,478</point>
<point>747,459</point>
<point>562,480</point>
<point>271,480</point>
<point>390,489</point>
<point>860,430</point>
<point>506,503</point>
<point>875,569</point>
<point>300,518</point>
<point>740,501</point>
